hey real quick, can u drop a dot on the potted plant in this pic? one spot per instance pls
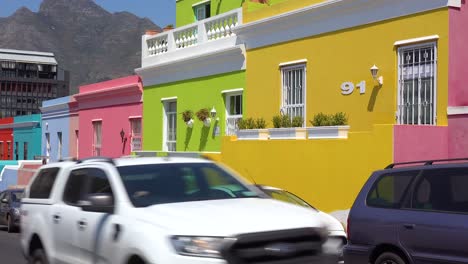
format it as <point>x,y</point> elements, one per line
<point>204,116</point>
<point>286,127</point>
<point>328,126</point>
<point>187,116</point>
<point>168,27</point>
<point>252,129</point>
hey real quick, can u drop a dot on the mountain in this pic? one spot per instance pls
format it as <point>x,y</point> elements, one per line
<point>92,43</point>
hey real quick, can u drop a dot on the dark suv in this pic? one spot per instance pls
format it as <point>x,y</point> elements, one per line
<point>416,213</point>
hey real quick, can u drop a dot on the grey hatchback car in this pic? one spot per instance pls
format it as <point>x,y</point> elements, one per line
<point>413,212</point>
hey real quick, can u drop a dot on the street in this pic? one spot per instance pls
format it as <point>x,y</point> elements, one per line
<point>10,250</point>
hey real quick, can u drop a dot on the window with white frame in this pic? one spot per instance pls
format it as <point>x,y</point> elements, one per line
<point>135,126</point>
<point>170,135</point>
<point>47,138</point>
<point>59,145</point>
<point>97,138</point>
<point>233,112</point>
<point>202,11</point>
<point>417,87</point>
<point>293,90</point>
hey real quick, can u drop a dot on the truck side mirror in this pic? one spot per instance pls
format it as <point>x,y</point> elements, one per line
<point>99,203</point>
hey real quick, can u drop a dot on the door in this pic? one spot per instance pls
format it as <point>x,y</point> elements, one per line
<point>64,216</point>
<point>436,225</point>
<point>95,230</point>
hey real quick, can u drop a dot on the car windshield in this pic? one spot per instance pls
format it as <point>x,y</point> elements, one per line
<point>287,197</point>
<point>17,196</point>
<point>180,182</point>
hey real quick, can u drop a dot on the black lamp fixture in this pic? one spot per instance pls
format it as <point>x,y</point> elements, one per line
<point>122,135</point>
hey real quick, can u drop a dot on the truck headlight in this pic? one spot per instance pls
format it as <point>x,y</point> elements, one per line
<point>209,247</point>
<point>16,212</point>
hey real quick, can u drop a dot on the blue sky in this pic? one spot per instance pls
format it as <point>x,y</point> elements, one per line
<point>161,12</point>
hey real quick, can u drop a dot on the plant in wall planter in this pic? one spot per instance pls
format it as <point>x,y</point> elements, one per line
<point>187,116</point>
<point>204,116</point>
<point>328,126</point>
<point>287,128</point>
<point>252,129</point>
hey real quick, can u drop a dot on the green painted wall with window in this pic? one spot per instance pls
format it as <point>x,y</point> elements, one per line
<point>185,9</point>
<point>205,92</point>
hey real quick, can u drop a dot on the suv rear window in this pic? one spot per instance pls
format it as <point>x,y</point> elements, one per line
<point>388,190</point>
<point>42,185</point>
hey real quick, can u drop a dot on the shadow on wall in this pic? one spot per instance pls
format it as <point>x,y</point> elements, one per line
<point>373,98</point>
<point>188,136</point>
<point>204,138</point>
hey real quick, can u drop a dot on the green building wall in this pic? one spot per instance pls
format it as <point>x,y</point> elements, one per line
<point>205,92</point>
<point>30,135</point>
<point>185,13</point>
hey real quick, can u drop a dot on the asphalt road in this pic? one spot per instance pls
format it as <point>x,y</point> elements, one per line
<point>10,250</point>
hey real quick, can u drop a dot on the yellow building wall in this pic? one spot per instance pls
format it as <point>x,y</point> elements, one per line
<point>330,173</point>
<point>255,11</point>
<point>326,173</point>
<point>343,56</point>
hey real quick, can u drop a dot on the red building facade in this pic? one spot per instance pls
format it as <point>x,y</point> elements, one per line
<point>6,138</point>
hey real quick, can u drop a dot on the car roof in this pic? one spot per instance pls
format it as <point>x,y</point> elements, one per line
<point>266,187</point>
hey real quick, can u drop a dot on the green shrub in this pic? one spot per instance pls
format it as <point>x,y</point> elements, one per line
<point>277,121</point>
<point>286,121</point>
<point>297,121</point>
<point>339,119</point>
<point>261,123</point>
<point>248,123</point>
<point>320,119</point>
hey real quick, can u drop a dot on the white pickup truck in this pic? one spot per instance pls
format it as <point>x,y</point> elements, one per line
<point>164,211</point>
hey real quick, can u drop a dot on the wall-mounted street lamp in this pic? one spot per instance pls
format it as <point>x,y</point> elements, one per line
<point>122,135</point>
<point>374,71</point>
<point>213,113</point>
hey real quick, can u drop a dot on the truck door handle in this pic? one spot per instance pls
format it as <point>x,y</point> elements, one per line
<point>409,226</point>
<point>57,218</point>
<point>82,224</point>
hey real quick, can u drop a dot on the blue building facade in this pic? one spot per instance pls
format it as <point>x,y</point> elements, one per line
<point>56,129</point>
<point>27,137</point>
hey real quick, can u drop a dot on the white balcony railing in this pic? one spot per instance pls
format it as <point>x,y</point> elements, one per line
<point>210,29</point>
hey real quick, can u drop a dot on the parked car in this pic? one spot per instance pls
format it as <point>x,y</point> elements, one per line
<point>9,208</point>
<point>415,212</point>
<point>335,228</point>
<point>161,210</point>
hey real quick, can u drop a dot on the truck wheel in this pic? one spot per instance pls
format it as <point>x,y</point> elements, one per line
<point>38,257</point>
<point>389,258</point>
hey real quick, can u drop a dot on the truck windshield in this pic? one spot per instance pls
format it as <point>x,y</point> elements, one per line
<point>153,184</point>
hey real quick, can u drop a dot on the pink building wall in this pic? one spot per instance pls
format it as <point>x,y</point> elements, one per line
<point>458,136</point>
<point>74,124</point>
<point>458,56</point>
<point>420,143</point>
<point>114,103</point>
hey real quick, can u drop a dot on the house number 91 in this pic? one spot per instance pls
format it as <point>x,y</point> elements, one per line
<point>348,87</point>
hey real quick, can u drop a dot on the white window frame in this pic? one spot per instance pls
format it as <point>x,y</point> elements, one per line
<point>59,145</point>
<point>201,6</point>
<point>135,137</point>
<point>48,148</point>
<point>232,118</point>
<point>400,100</point>
<point>166,142</point>
<point>287,108</point>
<point>97,148</point>
<point>77,135</point>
